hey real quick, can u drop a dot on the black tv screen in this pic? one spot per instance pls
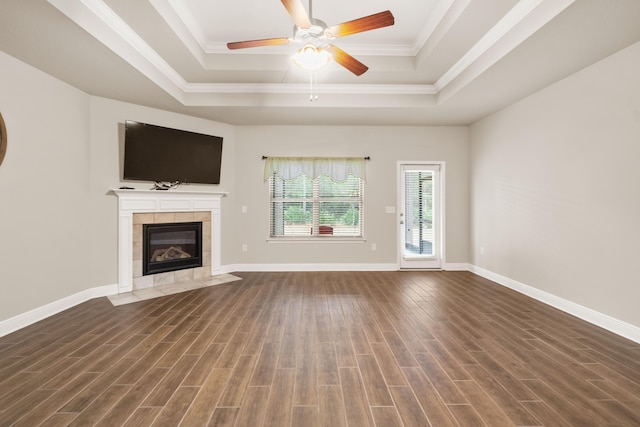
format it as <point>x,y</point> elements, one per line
<point>160,154</point>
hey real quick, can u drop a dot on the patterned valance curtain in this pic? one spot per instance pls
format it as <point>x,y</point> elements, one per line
<point>337,168</point>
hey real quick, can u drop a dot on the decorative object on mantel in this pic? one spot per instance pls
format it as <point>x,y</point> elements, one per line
<point>3,139</point>
<point>158,185</point>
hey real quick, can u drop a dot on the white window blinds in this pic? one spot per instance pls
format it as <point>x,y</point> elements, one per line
<point>312,198</point>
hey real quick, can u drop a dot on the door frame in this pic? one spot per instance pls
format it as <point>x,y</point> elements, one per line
<point>440,209</point>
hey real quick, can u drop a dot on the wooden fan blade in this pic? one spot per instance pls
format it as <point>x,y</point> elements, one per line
<point>297,12</point>
<point>257,43</point>
<point>366,23</point>
<point>347,61</point>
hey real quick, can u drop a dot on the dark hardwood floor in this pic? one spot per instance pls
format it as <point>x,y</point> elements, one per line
<point>321,349</point>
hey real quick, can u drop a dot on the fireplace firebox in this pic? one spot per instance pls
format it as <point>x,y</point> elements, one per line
<point>171,246</point>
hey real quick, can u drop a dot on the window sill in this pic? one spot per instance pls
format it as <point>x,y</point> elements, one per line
<point>326,239</point>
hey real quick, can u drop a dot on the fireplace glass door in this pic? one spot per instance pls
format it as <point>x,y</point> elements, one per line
<point>169,247</point>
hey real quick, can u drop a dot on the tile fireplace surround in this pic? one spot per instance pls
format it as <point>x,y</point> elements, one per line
<point>156,206</point>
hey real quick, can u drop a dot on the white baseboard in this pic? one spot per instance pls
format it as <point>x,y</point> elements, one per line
<point>30,317</point>
<point>330,267</point>
<point>602,320</point>
<point>456,266</point>
<point>309,267</point>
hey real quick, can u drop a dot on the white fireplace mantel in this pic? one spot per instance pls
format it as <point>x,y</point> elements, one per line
<point>152,201</point>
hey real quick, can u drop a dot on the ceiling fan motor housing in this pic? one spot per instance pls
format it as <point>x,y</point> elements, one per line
<point>316,35</point>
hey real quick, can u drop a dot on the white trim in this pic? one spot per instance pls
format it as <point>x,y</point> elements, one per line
<point>609,323</point>
<point>316,239</point>
<point>455,266</point>
<point>310,267</point>
<point>37,314</point>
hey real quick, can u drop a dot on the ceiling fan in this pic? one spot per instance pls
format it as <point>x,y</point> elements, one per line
<point>316,37</point>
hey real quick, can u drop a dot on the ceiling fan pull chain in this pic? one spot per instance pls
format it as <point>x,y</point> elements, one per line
<point>312,96</point>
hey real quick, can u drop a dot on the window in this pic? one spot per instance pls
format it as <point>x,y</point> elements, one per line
<point>319,208</point>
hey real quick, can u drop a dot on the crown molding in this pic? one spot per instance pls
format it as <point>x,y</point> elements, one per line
<point>304,88</point>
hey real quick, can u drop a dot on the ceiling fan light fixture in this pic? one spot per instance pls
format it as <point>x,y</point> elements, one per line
<point>311,58</point>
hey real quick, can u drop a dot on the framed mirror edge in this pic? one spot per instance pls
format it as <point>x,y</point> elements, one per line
<point>3,139</point>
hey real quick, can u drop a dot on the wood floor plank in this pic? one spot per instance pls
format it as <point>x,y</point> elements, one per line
<point>499,373</point>
<point>265,365</point>
<point>204,365</point>
<point>399,349</point>
<point>204,403</point>
<point>446,387</point>
<point>582,413</point>
<point>222,417</point>
<point>144,364</point>
<point>143,416</point>
<point>175,408</point>
<point>327,364</point>
<point>355,401</point>
<point>97,387</point>
<point>48,407</point>
<point>429,398</point>
<point>280,406</point>
<point>449,362</point>
<point>409,409</point>
<point>373,381</point>
<point>232,351</point>
<point>386,416</point>
<point>58,420</point>
<point>90,414</point>
<point>492,414</point>
<point>305,416</point>
<point>238,382</point>
<point>331,405</point>
<point>467,415</point>
<point>253,407</point>
<point>306,380</point>
<point>131,400</point>
<point>547,416</point>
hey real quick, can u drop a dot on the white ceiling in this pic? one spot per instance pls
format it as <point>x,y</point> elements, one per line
<point>443,62</point>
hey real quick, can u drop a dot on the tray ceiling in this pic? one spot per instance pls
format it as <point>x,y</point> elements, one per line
<point>443,62</point>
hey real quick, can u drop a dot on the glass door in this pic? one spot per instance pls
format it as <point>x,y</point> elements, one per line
<point>419,216</point>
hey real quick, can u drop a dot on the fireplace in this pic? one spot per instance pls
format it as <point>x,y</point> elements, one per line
<point>139,207</point>
<point>171,246</point>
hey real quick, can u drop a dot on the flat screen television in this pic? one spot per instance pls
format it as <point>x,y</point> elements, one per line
<point>160,154</point>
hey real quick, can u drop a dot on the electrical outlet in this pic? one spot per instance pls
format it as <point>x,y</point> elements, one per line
<point>481,250</point>
<point>245,248</point>
<point>244,209</point>
<point>374,247</point>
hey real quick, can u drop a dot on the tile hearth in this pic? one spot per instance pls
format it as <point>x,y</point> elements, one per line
<point>170,289</point>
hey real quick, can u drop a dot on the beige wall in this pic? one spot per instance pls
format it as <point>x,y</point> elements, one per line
<point>554,188</point>
<point>386,146</point>
<point>44,188</point>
